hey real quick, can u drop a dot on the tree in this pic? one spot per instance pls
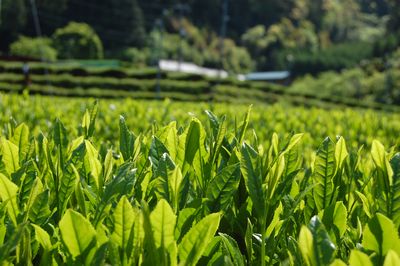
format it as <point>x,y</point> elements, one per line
<point>13,20</point>
<point>340,18</point>
<point>130,22</point>
<point>51,14</point>
<point>394,22</point>
<point>78,41</point>
<point>39,48</point>
<point>268,12</point>
<point>119,23</point>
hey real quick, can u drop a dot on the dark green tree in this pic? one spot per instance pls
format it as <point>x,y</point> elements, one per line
<point>119,23</point>
<point>51,14</point>
<point>78,41</point>
<point>128,18</point>
<point>13,18</point>
<point>394,21</point>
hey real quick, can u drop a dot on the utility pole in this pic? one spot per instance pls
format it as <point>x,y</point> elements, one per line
<point>159,25</point>
<point>181,9</point>
<point>38,30</point>
<point>36,18</point>
<point>225,19</point>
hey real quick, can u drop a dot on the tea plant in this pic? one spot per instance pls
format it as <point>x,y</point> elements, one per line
<point>205,193</point>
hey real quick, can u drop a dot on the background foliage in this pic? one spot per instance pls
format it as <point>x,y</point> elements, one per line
<point>261,34</point>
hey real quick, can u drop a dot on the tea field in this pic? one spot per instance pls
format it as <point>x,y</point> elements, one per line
<point>124,182</point>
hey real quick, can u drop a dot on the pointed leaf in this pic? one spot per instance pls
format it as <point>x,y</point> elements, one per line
<point>335,220</point>
<point>8,194</point>
<point>124,218</point>
<point>252,178</point>
<point>40,212</point>
<point>192,144</point>
<point>222,188</point>
<point>380,159</point>
<point>392,259</point>
<point>196,240</point>
<point>231,250</point>
<point>324,170</point>
<point>77,233</point>
<point>163,222</point>
<point>92,163</point>
<point>306,246</point>
<point>380,235</point>
<point>10,155</point>
<point>126,139</point>
<point>42,237</point>
<point>395,191</point>
<point>357,258</point>
<point>21,139</point>
<point>340,152</point>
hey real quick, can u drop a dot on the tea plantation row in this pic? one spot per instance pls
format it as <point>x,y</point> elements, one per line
<point>169,183</point>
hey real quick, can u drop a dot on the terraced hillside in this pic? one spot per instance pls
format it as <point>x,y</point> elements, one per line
<point>144,84</point>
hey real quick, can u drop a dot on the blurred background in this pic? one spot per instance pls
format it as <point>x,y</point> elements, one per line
<point>335,51</point>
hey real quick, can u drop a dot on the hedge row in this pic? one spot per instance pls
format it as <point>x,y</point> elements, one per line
<point>128,84</point>
<point>42,69</point>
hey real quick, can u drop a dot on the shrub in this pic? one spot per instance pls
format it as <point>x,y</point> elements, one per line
<point>335,58</point>
<point>133,55</point>
<point>34,47</point>
<point>79,41</point>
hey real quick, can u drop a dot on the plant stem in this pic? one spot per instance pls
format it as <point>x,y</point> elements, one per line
<point>263,245</point>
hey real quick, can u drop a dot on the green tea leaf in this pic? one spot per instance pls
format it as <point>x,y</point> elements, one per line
<point>163,222</point>
<point>192,144</point>
<point>10,155</point>
<point>252,178</point>
<point>274,176</point>
<point>338,262</point>
<point>123,218</point>
<point>222,188</point>
<point>357,258</point>
<point>175,179</point>
<point>380,235</point>
<point>92,164</point>
<point>42,237</point>
<point>126,140</point>
<point>335,220</point>
<point>395,191</point>
<point>340,152</point>
<point>231,250</point>
<point>40,212</point>
<point>196,240</point>
<point>89,121</point>
<point>184,222</point>
<point>294,140</point>
<point>392,259</point>
<point>380,159</point>
<point>8,194</point>
<point>77,233</point>
<point>21,139</point>
<point>68,182</point>
<point>315,244</point>
<point>324,170</point>
<point>169,137</point>
<point>242,130</point>
<point>156,152</point>
<point>306,246</point>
